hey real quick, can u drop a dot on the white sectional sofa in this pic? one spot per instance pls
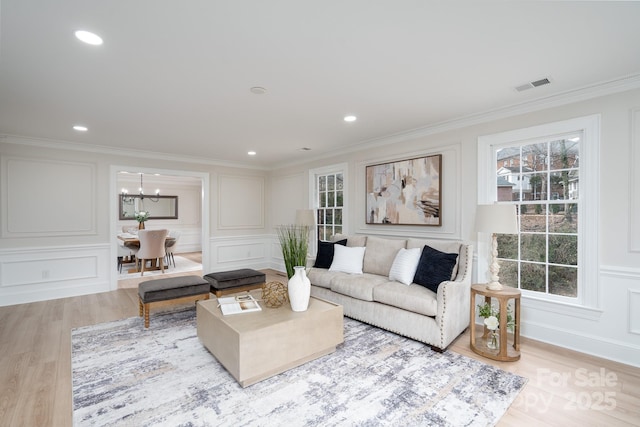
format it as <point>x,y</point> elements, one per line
<point>413,310</point>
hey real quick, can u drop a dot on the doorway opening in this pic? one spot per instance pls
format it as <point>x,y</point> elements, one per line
<point>189,227</point>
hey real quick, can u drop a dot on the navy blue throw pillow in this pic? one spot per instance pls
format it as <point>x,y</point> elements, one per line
<point>434,268</point>
<point>324,258</point>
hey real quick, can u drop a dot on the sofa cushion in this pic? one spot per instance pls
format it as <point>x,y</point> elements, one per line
<point>352,241</point>
<point>347,260</point>
<point>405,265</point>
<point>380,254</point>
<point>415,298</point>
<point>321,277</point>
<point>442,246</point>
<point>360,287</point>
<point>434,268</point>
<point>324,257</point>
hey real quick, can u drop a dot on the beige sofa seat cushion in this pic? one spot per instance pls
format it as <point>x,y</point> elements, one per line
<point>415,298</point>
<point>322,277</point>
<point>358,286</point>
<point>380,254</point>
<point>442,246</point>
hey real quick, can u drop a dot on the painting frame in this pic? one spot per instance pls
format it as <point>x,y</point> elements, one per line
<point>405,192</point>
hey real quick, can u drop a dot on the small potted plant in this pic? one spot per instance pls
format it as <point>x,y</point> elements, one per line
<point>141,217</point>
<point>492,322</point>
<point>294,241</point>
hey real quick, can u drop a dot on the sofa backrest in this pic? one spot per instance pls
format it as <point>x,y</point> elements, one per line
<point>443,246</point>
<point>380,253</point>
<point>356,240</point>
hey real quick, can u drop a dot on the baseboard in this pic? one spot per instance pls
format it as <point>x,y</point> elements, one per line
<point>593,345</point>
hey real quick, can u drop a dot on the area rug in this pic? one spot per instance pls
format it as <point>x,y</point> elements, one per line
<point>125,375</point>
<point>183,265</point>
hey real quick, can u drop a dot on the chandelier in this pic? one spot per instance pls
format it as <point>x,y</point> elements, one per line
<point>141,195</point>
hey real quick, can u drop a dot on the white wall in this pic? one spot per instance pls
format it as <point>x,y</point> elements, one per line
<point>613,330</point>
<point>58,216</point>
<point>248,240</point>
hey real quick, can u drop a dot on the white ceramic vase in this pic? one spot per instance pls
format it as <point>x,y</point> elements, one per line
<point>299,288</point>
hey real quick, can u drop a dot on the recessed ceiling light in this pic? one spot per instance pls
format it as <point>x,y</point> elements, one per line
<point>80,128</point>
<point>258,90</point>
<point>251,153</point>
<point>350,118</point>
<point>88,37</point>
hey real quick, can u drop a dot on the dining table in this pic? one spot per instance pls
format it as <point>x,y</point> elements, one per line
<point>132,241</point>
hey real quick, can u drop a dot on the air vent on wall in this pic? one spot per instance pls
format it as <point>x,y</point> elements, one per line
<point>531,85</point>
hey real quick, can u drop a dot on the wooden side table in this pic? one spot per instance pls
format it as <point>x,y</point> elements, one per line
<point>504,352</point>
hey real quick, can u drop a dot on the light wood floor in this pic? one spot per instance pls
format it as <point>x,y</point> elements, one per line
<point>564,388</point>
<point>133,283</point>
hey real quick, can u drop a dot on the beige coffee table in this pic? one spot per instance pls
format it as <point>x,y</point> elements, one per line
<point>258,345</point>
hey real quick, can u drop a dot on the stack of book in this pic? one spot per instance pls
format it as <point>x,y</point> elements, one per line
<point>238,304</point>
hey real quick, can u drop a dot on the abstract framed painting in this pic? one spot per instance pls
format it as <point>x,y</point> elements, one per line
<point>405,192</point>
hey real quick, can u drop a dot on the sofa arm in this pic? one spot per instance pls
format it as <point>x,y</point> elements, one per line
<point>453,308</point>
<point>453,300</point>
<point>310,262</point>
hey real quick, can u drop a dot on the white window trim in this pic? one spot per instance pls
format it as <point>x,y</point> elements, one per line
<point>331,169</point>
<point>588,304</point>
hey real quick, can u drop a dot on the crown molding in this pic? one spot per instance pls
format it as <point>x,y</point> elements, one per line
<point>127,152</point>
<point>595,90</point>
<point>584,93</point>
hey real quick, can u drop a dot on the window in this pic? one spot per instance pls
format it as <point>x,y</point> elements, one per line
<point>543,257</point>
<point>554,256</point>
<point>328,194</point>
<point>330,202</point>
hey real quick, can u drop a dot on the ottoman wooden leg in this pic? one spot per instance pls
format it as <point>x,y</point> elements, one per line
<point>140,307</point>
<point>146,315</point>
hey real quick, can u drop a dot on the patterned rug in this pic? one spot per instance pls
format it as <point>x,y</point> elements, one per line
<point>124,375</point>
<point>183,265</point>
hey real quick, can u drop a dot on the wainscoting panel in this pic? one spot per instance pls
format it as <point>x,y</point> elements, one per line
<point>39,274</point>
<point>28,272</point>
<point>634,311</point>
<point>241,202</point>
<point>28,196</point>
<point>229,253</point>
<point>190,240</point>
<point>634,187</point>
<point>613,333</point>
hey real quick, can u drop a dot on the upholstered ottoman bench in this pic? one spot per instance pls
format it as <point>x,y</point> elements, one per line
<point>172,290</point>
<point>227,282</point>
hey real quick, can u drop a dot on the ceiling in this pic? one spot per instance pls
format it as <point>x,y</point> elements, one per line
<point>174,78</point>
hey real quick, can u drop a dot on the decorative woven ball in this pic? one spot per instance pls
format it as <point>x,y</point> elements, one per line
<point>274,294</point>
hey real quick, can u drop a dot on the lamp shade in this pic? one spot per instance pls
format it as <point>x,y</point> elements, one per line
<point>497,218</point>
<point>305,217</point>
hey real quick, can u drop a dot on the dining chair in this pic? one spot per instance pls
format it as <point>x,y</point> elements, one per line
<point>151,248</point>
<point>170,246</point>
<point>123,252</point>
<point>129,229</point>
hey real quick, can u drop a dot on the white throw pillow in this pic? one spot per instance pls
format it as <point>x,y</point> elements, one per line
<point>347,259</point>
<point>405,265</point>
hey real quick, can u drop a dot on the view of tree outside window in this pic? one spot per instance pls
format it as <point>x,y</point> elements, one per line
<point>542,180</point>
<point>330,203</point>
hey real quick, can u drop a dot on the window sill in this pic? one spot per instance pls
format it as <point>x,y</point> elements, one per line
<point>573,310</point>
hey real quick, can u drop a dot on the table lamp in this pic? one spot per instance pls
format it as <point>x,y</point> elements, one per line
<point>496,218</point>
<point>305,217</point>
